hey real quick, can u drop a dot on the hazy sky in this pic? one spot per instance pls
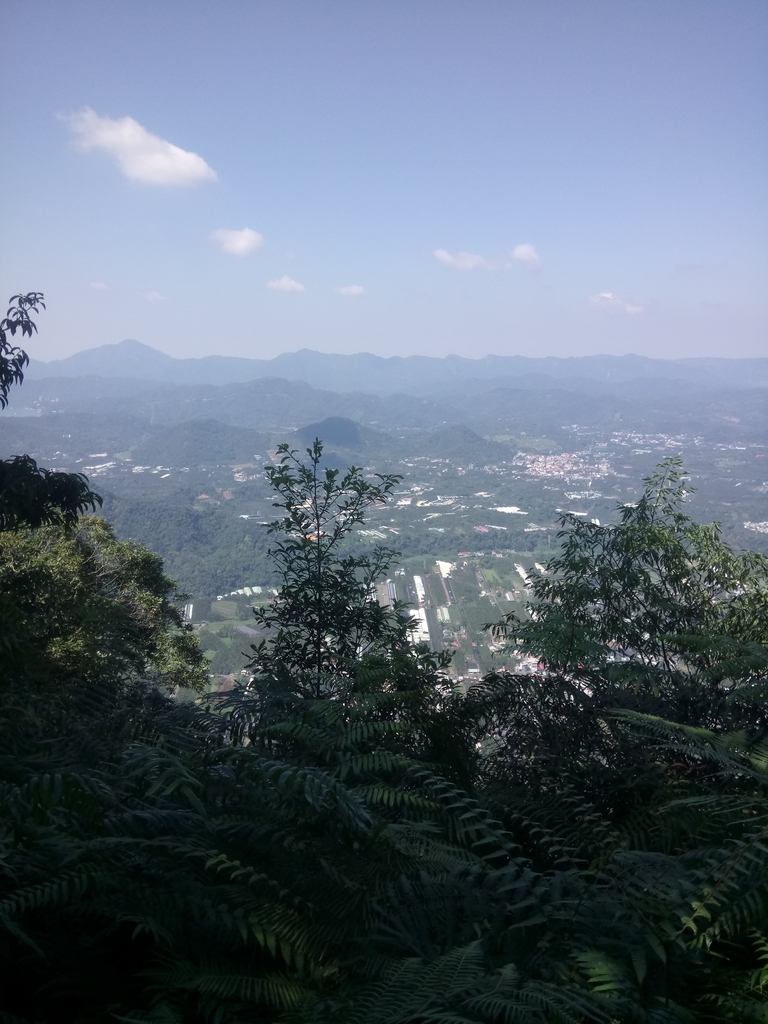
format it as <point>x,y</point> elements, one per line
<point>544,177</point>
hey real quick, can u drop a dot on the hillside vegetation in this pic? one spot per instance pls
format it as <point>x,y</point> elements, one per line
<point>344,837</point>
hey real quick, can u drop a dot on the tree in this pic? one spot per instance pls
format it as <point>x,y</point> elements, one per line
<point>656,614</point>
<point>330,647</point>
<point>29,494</point>
<point>79,607</point>
<point>325,617</point>
<point>33,496</point>
<point>13,359</point>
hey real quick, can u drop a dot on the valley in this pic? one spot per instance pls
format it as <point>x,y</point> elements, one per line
<point>486,475</point>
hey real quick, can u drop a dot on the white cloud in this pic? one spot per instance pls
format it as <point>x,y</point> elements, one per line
<point>238,243</point>
<point>153,296</point>
<point>350,289</point>
<point>140,155</point>
<point>526,253</point>
<point>607,300</point>
<point>465,260</point>
<point>285,284</point>
<point>99,286</point>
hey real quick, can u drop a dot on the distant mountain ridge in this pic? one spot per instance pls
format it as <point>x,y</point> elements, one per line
<point>488,407</point>
<point>366,372</point>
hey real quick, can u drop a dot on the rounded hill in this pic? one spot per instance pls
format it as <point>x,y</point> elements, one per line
<point>336,430</point>
<point>201,442</point>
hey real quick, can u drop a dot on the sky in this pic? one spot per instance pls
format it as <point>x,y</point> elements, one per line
<point>533,177</point>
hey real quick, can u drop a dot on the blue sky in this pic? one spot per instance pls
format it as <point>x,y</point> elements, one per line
<point>542,177</point>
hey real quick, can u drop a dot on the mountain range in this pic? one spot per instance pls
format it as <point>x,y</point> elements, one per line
<point>364,372</point>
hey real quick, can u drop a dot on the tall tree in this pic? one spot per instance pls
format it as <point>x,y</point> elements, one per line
<point>325,617</point>
<point>655,613</point>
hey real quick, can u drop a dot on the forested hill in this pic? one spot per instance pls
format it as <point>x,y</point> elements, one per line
<point>488,407</point>
<point>200,442</point>
<point>413,374</point>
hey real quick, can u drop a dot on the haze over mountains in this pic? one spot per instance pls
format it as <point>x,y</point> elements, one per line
<point>130,392</point>
<point>411,375</point>
<point>177,446</point>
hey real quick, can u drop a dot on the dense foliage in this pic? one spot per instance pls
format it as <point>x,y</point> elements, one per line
<point>345,838</point>
<point>206,550</point>
<point>33,496</point>
<point>80,607</point>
